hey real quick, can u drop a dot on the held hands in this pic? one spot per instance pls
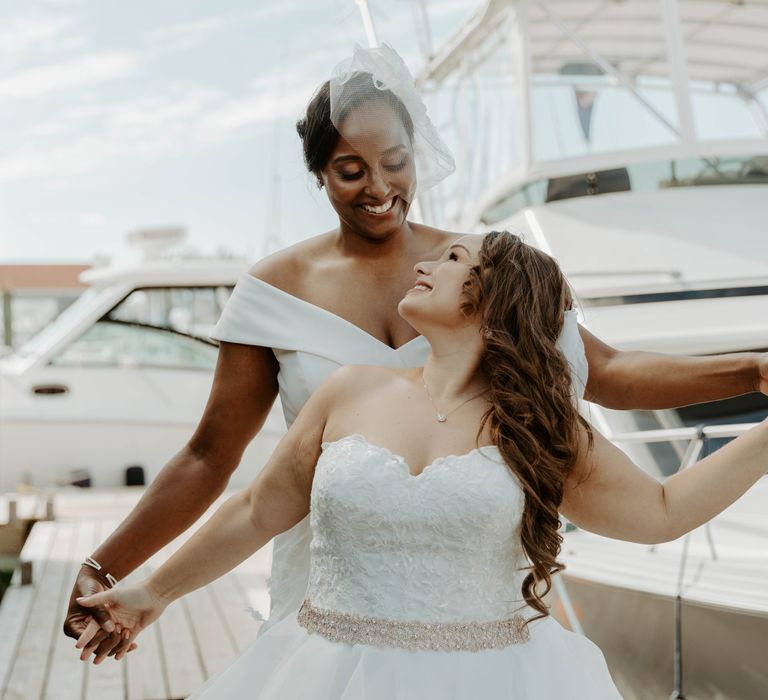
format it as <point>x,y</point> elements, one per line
<point>107,640</point>
<point>130,609</point>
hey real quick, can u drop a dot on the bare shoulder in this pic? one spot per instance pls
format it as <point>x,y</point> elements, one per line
<point>352,380</point>
<point>437,238</point>
<point>438,235</point>
<point>286,268</point>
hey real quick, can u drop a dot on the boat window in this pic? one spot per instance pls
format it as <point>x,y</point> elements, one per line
<point>192,311</point>
<point>113,344</point>
<point>599,182</point>
<point>67,318</point>
<point>530,195</point>
<point>638,177</point>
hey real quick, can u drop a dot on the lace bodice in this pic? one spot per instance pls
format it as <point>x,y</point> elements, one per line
<point>442,546</point>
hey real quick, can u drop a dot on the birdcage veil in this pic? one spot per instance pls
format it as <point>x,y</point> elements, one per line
<point>378,81</point>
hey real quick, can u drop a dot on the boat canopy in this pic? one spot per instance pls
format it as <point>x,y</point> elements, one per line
<point>527,89</point>
<point>724,40</point>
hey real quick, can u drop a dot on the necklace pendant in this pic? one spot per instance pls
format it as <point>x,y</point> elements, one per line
<point>441,418</point>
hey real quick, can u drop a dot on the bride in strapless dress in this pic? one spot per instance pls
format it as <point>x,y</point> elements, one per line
<point>433,497</point>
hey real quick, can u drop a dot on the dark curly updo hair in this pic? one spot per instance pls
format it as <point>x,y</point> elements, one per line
<point>316,130</point>
<point>522,296</point>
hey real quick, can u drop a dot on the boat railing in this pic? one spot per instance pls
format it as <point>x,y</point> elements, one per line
<point>698,434</point>
<point>697,439</point>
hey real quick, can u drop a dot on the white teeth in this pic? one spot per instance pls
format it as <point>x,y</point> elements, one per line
<point>380,209</point>
<point>421,286</point>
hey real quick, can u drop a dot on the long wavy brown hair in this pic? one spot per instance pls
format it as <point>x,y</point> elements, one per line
<point>522,296</point>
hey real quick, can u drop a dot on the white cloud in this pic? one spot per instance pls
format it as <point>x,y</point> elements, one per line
<point>87,137</point>
<point>263,106</point>
<point>154,112</point>
<point>69,159</point>
<point>91,219</point>
<point>86,70</point>
<point>20,34</point>
<point>187,34</point>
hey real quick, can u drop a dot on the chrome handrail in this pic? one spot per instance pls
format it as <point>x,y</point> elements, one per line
<point>672,434</point>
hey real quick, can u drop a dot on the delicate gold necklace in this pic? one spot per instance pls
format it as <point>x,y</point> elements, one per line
<point>443,417</point>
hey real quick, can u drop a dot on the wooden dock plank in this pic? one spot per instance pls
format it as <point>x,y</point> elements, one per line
<point>180,651</point>
<point>145,666</point>
<point>31,663</point>
<point>182,656</point>
<point>216,646</point>
<point>18,600</point>
<point>107,681</point>
<point>66,674</point>
<point>17,603</point>
<point>232,602</point>
<point>209,646</point>
<point>197,636</point>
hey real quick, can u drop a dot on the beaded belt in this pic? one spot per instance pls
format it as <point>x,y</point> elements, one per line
<point>350,628</point>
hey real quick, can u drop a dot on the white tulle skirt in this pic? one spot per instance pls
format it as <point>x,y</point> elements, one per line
<point>288,663</point>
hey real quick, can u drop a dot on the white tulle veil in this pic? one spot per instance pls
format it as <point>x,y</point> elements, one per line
<point>377,80</point>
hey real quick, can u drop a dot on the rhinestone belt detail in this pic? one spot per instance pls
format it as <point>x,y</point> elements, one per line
<point>350,628</point>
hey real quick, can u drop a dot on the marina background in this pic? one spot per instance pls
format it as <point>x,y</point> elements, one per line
<point>154,144</point>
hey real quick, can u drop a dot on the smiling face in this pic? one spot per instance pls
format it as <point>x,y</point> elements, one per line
<point>438,296</point>
<point>370,177</point>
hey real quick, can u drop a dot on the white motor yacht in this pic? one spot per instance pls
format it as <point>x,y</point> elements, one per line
<point>120,379</point>
<point>628,139</point>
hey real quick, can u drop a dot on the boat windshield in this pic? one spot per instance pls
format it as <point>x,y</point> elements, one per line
<point>72,315</point>
<point>160,327</point>
<point>640,177</point>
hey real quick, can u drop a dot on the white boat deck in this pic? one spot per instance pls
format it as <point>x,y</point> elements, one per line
<point>197,636</point>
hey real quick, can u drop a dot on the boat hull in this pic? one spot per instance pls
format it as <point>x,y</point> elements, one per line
<point>52,452</point>
<point>724,651</point>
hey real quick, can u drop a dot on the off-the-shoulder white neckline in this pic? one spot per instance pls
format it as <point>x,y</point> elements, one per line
<point>320,309</point>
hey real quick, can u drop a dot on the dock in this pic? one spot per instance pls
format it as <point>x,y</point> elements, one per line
<point>197,636</point>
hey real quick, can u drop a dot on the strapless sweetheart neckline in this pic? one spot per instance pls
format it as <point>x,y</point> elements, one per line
<point>401,461</point>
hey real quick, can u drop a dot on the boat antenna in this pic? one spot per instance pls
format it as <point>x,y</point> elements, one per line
<point>423,29</point>
<point>370,30</point>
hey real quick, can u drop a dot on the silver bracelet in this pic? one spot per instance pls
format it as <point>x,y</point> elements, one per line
<point>89,561</point>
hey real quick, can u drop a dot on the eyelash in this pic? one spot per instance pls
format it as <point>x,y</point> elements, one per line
<point>356,176</point>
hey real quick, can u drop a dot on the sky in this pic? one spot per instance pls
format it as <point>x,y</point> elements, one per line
<point>119,116</point>
<point>116,116</point>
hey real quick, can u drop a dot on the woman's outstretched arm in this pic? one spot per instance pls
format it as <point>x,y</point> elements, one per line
<point>651,380</point>
<point>610,495</point>
<point>277,499</point>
